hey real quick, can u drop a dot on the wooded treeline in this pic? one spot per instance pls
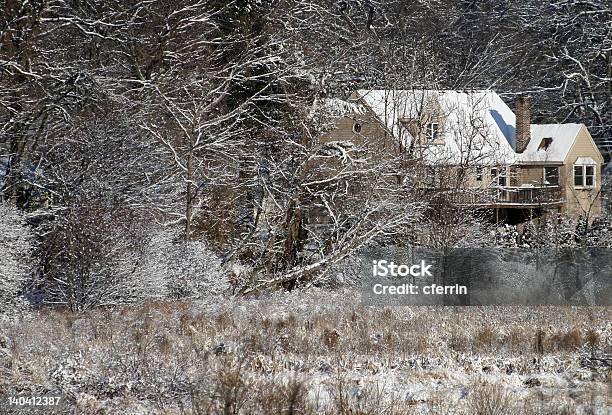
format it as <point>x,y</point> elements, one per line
<point>136,130</point>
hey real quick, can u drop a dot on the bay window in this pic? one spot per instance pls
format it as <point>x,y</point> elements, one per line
<point>584,176</point>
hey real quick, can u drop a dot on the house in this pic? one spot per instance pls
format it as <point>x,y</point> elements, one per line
<point>472,145</point>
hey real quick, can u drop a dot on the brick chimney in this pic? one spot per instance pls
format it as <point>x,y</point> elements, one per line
<point>523,123</point>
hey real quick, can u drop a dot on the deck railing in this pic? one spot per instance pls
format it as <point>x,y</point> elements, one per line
<point>527,195</point>
<point>519,196</point>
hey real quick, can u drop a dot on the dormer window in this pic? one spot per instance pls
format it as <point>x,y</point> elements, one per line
<point>433,131</point>
<point>545,143</point>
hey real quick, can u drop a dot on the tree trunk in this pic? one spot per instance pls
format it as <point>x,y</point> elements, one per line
<point>296,235</point>
<point>189,197</point>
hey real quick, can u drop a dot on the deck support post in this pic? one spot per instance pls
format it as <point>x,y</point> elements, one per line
<point>496,225</point>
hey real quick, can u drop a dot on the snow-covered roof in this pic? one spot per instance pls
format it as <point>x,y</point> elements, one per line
<point>340,107</point>
<point>478,126</point>
<point>563,136</point>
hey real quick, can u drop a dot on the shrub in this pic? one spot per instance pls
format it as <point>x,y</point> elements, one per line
<point>489,399</point>
<point>572,339</point>
<point>90,254</point>
<point>178,269</point>
<point>485,338</point>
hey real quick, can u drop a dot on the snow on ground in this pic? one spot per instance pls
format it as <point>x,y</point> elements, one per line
<point>316,352</point>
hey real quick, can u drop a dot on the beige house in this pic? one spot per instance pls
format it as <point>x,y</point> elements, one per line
<point>472,143</point>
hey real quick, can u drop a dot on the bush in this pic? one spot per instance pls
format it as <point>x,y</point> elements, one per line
<point>101,255</point>
<point>92,255</point>
<point>489,399</point>
<point>178,269</point>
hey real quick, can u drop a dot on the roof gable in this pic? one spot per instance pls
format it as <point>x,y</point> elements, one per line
<point>583,133</point>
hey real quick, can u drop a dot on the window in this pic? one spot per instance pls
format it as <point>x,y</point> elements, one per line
<point>589,176</point>
<point>501,180</point>
<point>551,176</point>
<point>578,176</point>
<point>433,131</point>
<point>479,174</point>
<point>584,176</point>
<point>512,176</point>
<point>357,128</point>
<point>498,176</point>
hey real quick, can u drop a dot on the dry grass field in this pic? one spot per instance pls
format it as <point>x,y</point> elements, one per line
<point>315,352</point>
